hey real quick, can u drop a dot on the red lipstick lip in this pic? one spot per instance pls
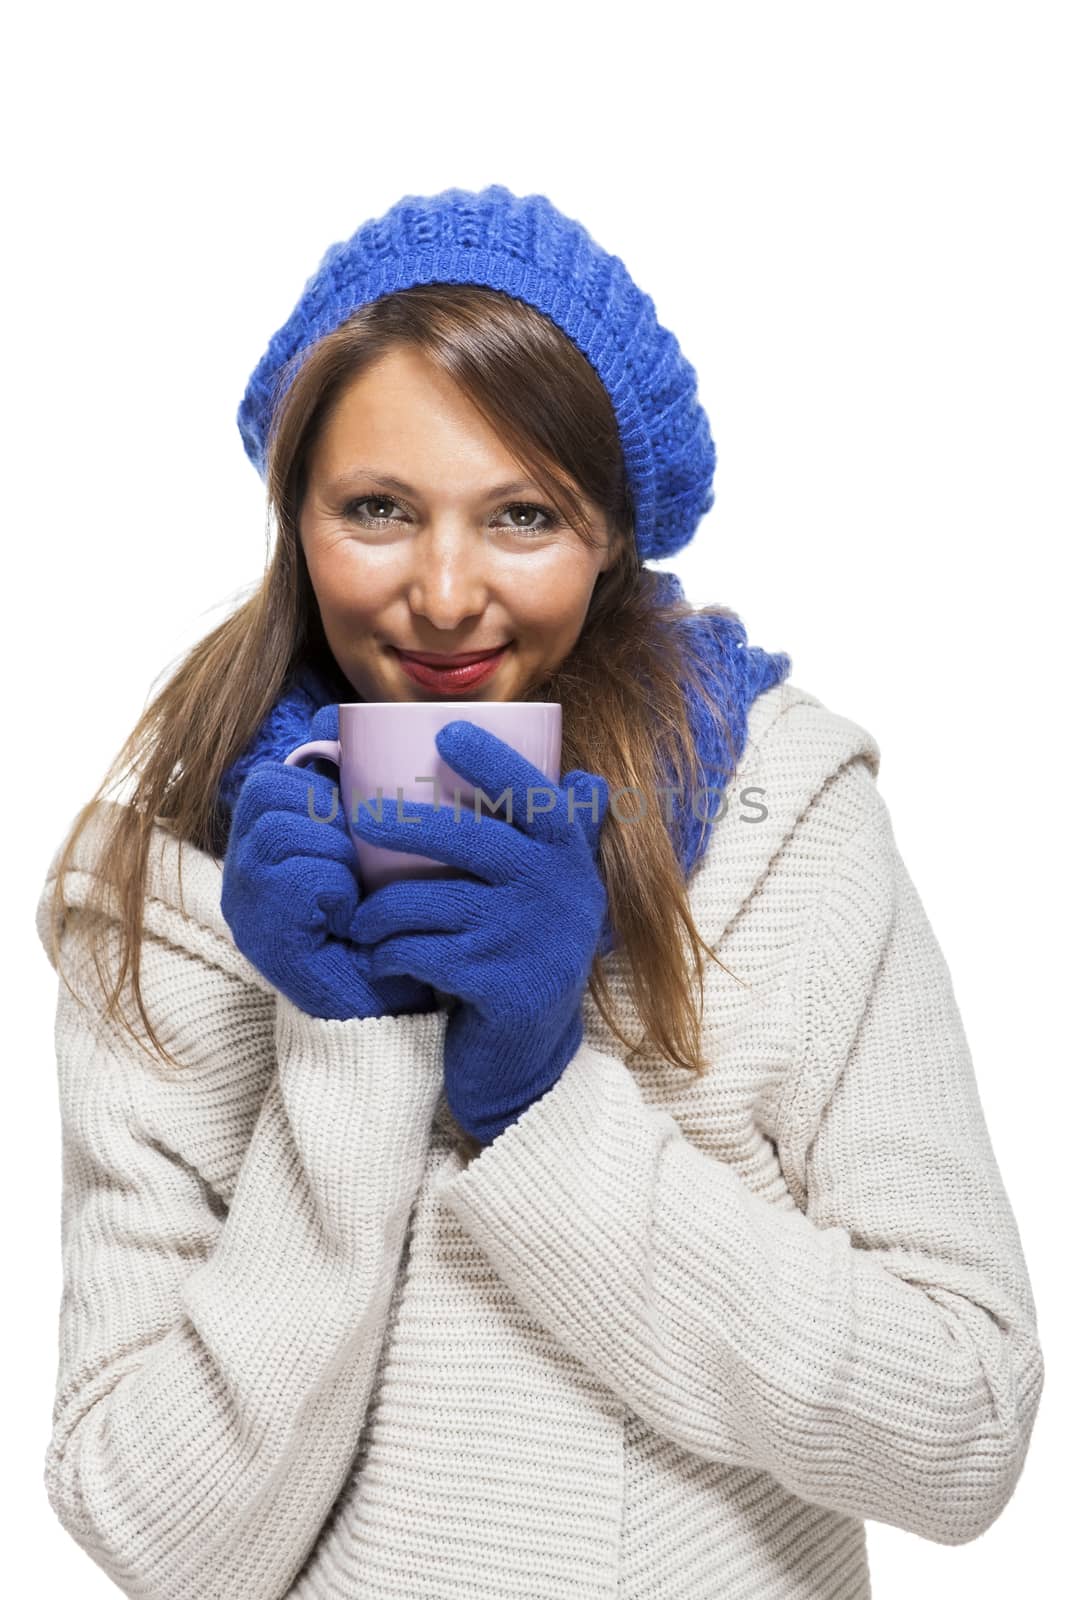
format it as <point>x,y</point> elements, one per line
<point>452,679</point>
<point>431,658</point>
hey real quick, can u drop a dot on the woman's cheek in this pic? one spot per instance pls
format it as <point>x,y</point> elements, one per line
<point>554,600</point>
<point>362,597</point>
<point>563,616</point>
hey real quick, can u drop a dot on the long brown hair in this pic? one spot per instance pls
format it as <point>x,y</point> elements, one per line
<point>622,687</point>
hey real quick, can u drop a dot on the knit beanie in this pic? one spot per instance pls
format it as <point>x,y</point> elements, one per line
<point>527,248</point>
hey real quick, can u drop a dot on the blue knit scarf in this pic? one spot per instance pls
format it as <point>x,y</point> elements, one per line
<point>741,671</point>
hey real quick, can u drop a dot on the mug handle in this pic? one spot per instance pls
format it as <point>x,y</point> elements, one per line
<point>324,749</point>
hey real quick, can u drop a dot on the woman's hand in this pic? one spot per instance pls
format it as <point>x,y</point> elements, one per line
<point>515,943</point>
<point>290,890</point>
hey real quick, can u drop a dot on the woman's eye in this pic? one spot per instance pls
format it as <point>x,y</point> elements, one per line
<point>352,509</point>
<point>527,529</point>
<point>550,519</point>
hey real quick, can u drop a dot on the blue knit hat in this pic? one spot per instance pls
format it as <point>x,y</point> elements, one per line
<point>528,249</point>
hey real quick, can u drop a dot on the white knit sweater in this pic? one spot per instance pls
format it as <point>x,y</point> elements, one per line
<point>666,1337</point>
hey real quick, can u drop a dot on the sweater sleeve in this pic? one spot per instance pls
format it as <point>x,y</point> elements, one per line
<point>215,1362</point>
<point>873,1348</point>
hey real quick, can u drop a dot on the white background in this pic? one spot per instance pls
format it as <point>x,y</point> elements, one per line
<point>850,214</point>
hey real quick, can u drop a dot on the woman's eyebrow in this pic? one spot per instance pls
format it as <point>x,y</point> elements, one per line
<point>345,479</point>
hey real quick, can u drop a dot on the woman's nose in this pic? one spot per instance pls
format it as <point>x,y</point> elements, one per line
<point>448,581</point>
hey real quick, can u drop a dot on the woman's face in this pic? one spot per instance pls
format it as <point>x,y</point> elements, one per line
<point>422,533</point>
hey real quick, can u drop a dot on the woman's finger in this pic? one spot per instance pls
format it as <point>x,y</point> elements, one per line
<point>274,837</point>
<point>589,795</point>
<point>490,764</point>
<point>419,906</point>
<point>293,793</point>
<point>314,882</point>
<point>479,844</point>
<point>429,957</point>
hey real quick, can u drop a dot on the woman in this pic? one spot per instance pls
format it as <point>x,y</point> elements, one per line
<point>619,1271</point>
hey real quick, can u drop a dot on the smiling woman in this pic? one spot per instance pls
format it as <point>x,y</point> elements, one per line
<point>404,589</point>
<point>476,1235</point>
<point>455,398</point>
<point>462,394</point>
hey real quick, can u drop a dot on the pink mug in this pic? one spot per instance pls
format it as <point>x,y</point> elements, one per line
<point>387,748</point>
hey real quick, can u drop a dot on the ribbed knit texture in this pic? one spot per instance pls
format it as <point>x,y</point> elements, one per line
<point>667,1338</point>
<point>525,246</point>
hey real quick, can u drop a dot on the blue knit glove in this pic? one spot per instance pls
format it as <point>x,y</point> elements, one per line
<point>515,944</point>
<point>290,890</point>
